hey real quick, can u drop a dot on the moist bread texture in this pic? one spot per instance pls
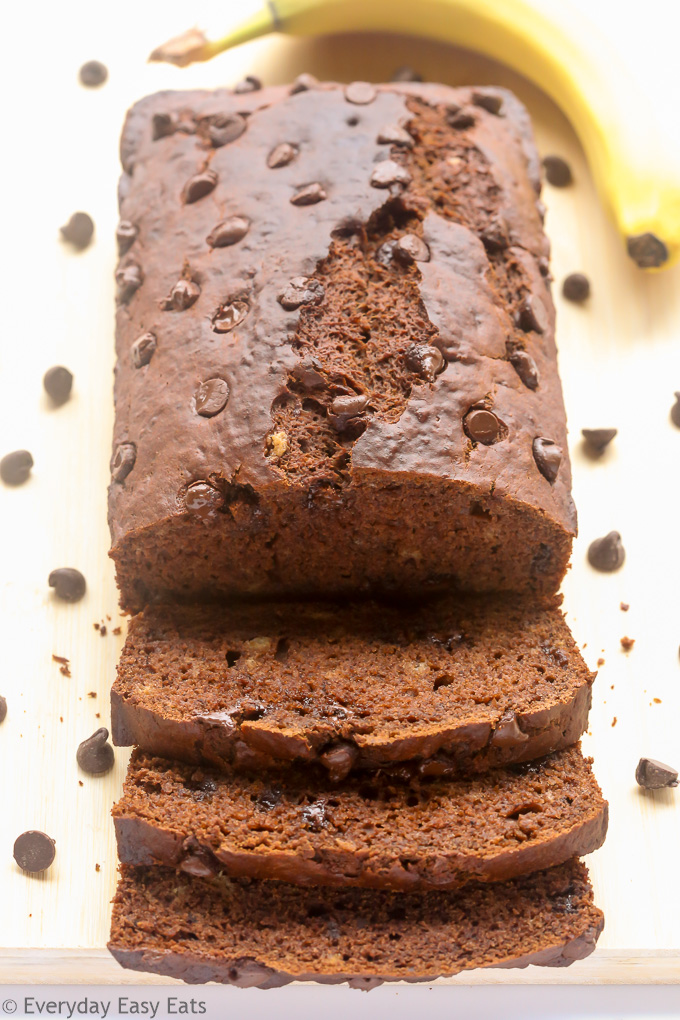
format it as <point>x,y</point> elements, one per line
<point>394,830</point>
<point>465,684</point>
<point>336,359</point>
<point>265,934</point>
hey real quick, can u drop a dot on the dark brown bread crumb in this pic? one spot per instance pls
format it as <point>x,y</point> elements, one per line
<point>627,643</point>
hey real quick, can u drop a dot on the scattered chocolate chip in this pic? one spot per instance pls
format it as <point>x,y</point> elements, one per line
<point>309,195</point>
<point>249,84</point>
<point>203,500</point>
<point>93,73</point>
<point>162,126</point>
<point>598,439</point>
<point>339,759</point>
<point>675,411</point>
<point>183,295</point>
<point>548,457</point>
<point>303,83</point>
<point>79,230</point>
<point>95,755</point>
<point>128,280</point>
<point>532,316</point>
<point>576,287</point>
<point>281,155</point>
<point>406,74</point>
<point>199,186</point>
<point>69,585</point>
<point>387,173</point>
<point>34,851</point>
<point>488,101</point>
<point>211,397</point>
<point>360,93</point>
<point>345,411</point>
<point>411,248</point>
<point>627,643</point>
<point>425,360</point>
<point>624,607</point>
<point>3,709</point>
<point>227,317</point>
<point>126,235</point>
<point>557,171</point>
<point>393,134</point>
<point>607,553</point>
<point>142,350</point>
<point>482,426</point>
<point>526,369</point>
<point>15,467</point>
<point>647,250</point>
<point>654,775</point>
<point>228,232</point>
<point>226,128</point>
<point>461,119</point>
<point>123,461</point>
<point>302,290</point>
<point>58,382</point>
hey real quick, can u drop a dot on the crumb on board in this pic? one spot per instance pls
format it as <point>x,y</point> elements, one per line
<point>657,701</point>
<point>61,718</point>
<point>92,694</point>
<point>614,721</point>
<point>102,630</point>
<point>80,782</point>
<point>117,631</point>
<point>97,715</point>
<point>627,643</point>
<point>64,664</point>
<point>612,687</point>
<point>600,662</point>
<point>97,867</point>
<point>624,607</point>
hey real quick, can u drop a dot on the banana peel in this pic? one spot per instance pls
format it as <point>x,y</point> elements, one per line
<point>636,176</point>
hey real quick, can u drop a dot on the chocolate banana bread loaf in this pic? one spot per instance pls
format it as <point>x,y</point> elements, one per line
<point>473,684</point>
<point>390,829</point>
<point>249,933</point>
<point>336,358</point>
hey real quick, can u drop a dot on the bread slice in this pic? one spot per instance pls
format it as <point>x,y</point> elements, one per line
<point>265,934</point>
<point>383,830</point>
<point>472,684</point>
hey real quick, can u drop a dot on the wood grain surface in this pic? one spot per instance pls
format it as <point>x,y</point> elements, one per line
<point>620,363</point>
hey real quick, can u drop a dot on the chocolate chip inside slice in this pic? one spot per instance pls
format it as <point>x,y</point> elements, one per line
<point>526,369</point>
<point>345,411</point>
<point>93,73</point>
<point>126,235</point>
<point>302,290</point>
<point>68,583</point>
<point>142,350</point>
<point>203,500</point>
<point>548,457</point>
<point>211,397</point>
<point>3,709</point>
<point>128,280</point>
<point>360,92</point>
<point>489,101</point>
<point>675,411</point>
<point>79,230</point>
<point>607,553</point>
<point>482,426</point>
<point>228,232</point>
<point>281,155</point>
<point>227,317</point>
<point>388,172</point>
<point>393,134</point>
<point>425,360</point>
<point>654,775</point>
<point>598,439</point>
<point>15,467</point>
<point>576,287</point>
<point>557,171</point>
<point>339,759</point>
<point>406,74</point>
<point>183,295</point>
<point>310,194</point>
<point>533,315</point>
<point>249,84</point>
<point>123,461</point>
<point>95,755</point>
<point>303,83</point>
<point>226,128</point>
<point>34,851</point>
<point>199,186</point>
<point>58,382</point>
<point>411,248</point>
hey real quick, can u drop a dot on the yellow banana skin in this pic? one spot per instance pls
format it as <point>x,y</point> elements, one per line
<point>637,180</point>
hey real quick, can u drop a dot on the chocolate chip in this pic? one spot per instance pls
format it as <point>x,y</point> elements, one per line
<point>387,173</point>
<point>508,732</point>
<point>598,439</point>
<point>675,411</point>
<point>309,195</point>
<point>142,350</point>
<point>654,775</point>
<point>228,232</point>
<point>34,851</point>
<point>392,134</point>
<point>425,360</point>
<point>249,84</point>
<point>199,186</point>
<point>607,553</point>
<point>303,83</point>
<point>406,74</point>
<point>199,865</point>
<point>79,230</point>
<point>542,210</point>
<point>226,128</point>
<point>627,643</point>
<point>302,290</point>
<point>526,369</point>
<point>544,267</point>
<point>308,374</point>
<point>123,461</point>
<point>339,759</point>
<point>182,296</point>
<point>126,235</point>
<point>576,287</point>
<point>360,93</point>
<point>494,235</point>
<point>386,252</point>
<point>411,248</point>
<point>203,500</point>
<point>68,583</point>
<point>95,755</point>
<point>58,382</point>
<point>488,101</point>
<point>548,457</point>
<point>532,315</point>
<point>211,397</point>
<point>128,280</point>
<point>482,426</point>
<point>461,120</point>
<point>229,316</point>
<point>93,73</point>
<point>3,709</point>
<point>162,126</point>
<point>557,171</point>
<point>647,250</point>
<point>345,411</point>
<point>281,155</point>
<point>15,467</point>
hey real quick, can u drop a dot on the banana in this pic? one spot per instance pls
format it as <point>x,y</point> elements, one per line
<point>637,179</point>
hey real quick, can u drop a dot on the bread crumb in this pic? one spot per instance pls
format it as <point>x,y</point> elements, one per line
<point>97,715</point>
<point>65,664</point>
<point>657,701</point>
<point>600,662</point>
<point>614,721</point>
<point>97,868</point>
<point>92,694</point>
<point>80,782</point>
<point>624,607</point>
<point>627,643</point>
<point>116,631</point>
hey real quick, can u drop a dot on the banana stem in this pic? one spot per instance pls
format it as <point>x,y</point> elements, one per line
<point>193,46</point>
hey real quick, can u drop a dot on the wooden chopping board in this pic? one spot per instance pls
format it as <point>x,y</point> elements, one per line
<point>620,363</point>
